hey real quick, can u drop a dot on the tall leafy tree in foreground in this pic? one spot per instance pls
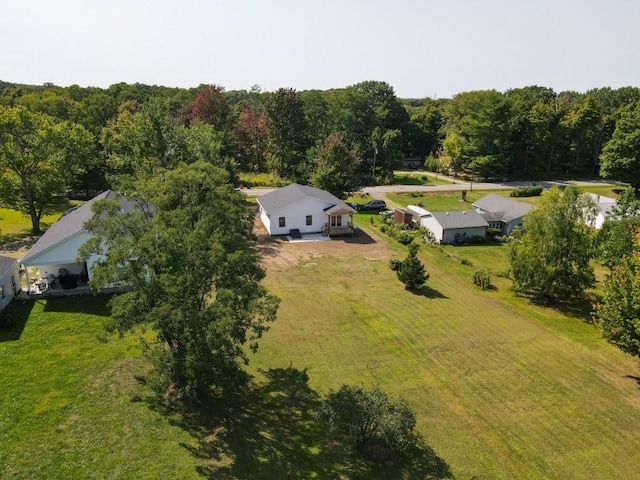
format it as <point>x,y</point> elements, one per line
<point>335,167</point>
<point>551,258</point>
<point>193,279</point>
<point>39,159</point>
<point>619,312</point>
<point>620,157</point>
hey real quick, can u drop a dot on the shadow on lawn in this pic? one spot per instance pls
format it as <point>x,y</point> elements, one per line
<point>13,320</point>
<point>580,308</point>
<point>89,304</point>
<point>428,292</point>
<point>269,431</point>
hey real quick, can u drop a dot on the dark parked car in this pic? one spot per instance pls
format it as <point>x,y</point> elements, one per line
<point>375,205</point>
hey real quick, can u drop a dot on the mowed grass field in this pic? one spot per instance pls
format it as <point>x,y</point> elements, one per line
<point>502,388</point>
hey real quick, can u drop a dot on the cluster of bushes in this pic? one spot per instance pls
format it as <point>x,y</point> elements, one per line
<point>482,279</point>
<point>532,191</point>
<point>404,234</point>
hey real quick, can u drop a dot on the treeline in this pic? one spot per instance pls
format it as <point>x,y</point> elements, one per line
<point>524,133</point>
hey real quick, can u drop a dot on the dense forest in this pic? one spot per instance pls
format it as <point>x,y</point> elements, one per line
<point>313,136</point>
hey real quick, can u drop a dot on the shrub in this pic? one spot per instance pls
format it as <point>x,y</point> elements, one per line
<point>404,237</point>
<point>394,264</point>
<point>464,261</point>
<point>532,191</point>
<point>493,232</point>
<point>368,421</point>
<point>482,279</point>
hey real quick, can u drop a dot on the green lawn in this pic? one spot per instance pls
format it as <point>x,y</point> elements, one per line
<point>502,388</point>
<point>417,179</point>
<point>15,225</point>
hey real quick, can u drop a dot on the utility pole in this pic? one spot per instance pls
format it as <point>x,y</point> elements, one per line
<point>373,171</point>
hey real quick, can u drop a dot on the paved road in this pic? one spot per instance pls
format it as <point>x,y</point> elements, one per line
<point>456,185</point>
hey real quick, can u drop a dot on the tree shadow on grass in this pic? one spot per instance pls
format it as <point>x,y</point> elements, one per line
<point>269,431</point>
<point>88,304</point>
<point>428,292</point>
<point>580,307</point>
<point>13,320</point>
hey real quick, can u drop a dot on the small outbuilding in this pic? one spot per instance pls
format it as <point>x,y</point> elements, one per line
<point>451,227</point>
<point>306,209</point>
<point>501,212</point>
<point>9,280</point>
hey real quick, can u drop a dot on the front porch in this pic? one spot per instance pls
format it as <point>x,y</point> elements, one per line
<point>339,221</point>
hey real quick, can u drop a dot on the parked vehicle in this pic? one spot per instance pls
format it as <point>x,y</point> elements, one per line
<point>375,205</point>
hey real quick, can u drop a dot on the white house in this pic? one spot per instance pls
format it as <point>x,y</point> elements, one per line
<point>9,280</point>
<point>501,212</point>
<point>55,253</point>
<point>306,209</point>
<point>451,227</point>
<point>605,210</point>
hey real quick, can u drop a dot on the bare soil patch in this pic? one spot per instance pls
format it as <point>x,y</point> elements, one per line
<point>277,253</point>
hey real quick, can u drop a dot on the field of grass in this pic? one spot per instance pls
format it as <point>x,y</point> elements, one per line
<point>15,225</point>
<point>502,388</point>
<point>417,179</point>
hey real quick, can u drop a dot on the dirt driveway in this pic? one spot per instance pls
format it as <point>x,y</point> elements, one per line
<point>278,254</point>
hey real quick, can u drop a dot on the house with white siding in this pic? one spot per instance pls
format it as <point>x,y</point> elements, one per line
<point>305,209</point>
<point>451,227</point>
<point>54,255</point>
<point>9,280</point>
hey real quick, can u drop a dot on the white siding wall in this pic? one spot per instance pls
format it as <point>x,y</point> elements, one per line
<point>5,281</point>
<point>433,226</point>
<point>266,221</point>
<point>66,252</point>
<point>513,224</point>
<point>295,217</point>
<point>449,235</point>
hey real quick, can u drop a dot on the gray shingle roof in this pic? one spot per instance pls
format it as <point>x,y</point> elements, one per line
<point>465,219</point>
<point>292,193</point>
<point>508,209</point>
<point>6,264</point>
<point>70,223</point>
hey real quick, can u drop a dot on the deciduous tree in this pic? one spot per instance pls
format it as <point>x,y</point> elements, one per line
<point>619,311</point>
<point>551,258</point>
<point>192,277</point>
<point>39,159</point>
<point>335,167</point>
<point>620,157</point>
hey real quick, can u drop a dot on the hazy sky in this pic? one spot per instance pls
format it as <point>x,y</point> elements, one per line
<point>420,47</point>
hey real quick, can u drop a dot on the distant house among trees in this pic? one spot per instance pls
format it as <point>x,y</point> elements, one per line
<point>605,210</point>
<point>501,212</point>
<point>451,227</point>
<point>9,280</point>
<point>306,209</point>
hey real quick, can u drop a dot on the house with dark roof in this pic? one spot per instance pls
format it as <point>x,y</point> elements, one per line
<point>502,212</point>
<point>451,227</point>
<point>9,280</point>
<point>55,253</point>
<point>305,209</point>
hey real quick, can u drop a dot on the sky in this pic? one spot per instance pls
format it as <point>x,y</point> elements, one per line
<point>422,48</point>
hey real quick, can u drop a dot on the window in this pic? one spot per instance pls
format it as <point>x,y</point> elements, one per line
<point>281,222</point>
<point>1,291</point>
<point>309,220</point>
<point>336,220</point>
